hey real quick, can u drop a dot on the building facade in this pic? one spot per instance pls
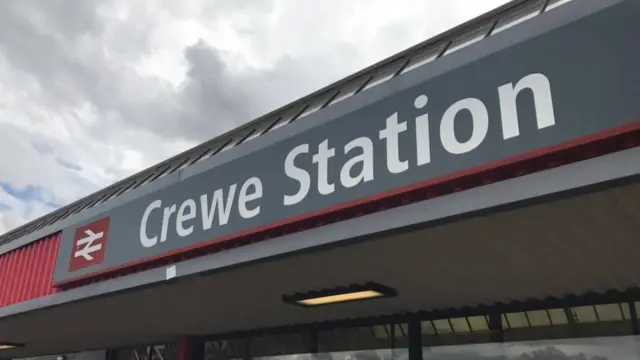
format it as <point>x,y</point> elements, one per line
<point>473,197</point>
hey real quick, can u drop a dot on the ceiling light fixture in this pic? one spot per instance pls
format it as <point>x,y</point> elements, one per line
<point>8,345</point>
<point>354,292</point>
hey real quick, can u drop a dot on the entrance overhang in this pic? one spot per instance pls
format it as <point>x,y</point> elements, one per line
<point>500,243</point>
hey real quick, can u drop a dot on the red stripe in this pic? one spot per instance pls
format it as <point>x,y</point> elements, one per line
<point>13,262</point>
<point>424,185</point>
<point>184,344</point>
<point>4,272</point>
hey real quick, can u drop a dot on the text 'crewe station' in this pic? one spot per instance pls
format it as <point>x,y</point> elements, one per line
<point>308,167</point>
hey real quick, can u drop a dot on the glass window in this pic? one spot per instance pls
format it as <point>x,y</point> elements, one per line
<point>379,79</point>
<point>218,150</point>
<point>244,137</point>
<point>626,310</point>
<point>555,3</point>
<point>127,187</point>
<point>423,57</point>
<point>428,328</point>
<point>517,320</point>
<point>113,194</point>
<point>609,312</point>
<point>253,135</point>
<point>288,118</point>
<point>637,306</point>
<point>164,352</point>
<point>148,352</point>
<point>317,105</point>
<point>160,173</point>
<point>205,154</point>
<point>349,89</point>
<point>381,331</point>
<point>381,342</point>
<point>279,347</point>
<point>402,331</point>
<point>600,348</point>
<point>228,349</point>
<point>226,147</point>
<point>58,216</point>
<point>442,326</point>
<point>468,39</point>
<point>281,122</point>
<point>460,325</point>
<point>272,124</point>
<point>584,314</point>
<point>103,198</point>
<point>385,74</point>
<point>523,14</point>
<point>147,179</point>
<point>558,316</point>
<point>133,353</point>
<point>181,164</point>
<point>538,318</point>
<point>478,323</point>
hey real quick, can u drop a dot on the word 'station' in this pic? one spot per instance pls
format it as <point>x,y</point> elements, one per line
<point>363,147</point>
<point>307,168</point>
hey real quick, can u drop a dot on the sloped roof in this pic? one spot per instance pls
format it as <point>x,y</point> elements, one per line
<point>437,47</point>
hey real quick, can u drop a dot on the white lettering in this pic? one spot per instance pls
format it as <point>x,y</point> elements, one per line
<point>423,137</point>
<point>186,212</point>
<point>145,240</point>
<point>217,204</point>
<point>390,134</point>
<point>245,197</point>
<point>168,211</point>
<point>321,158</point>
<point>89,246</point>
<point>298,174</point>
<point>357,166</point>
<point>542,99</point>
<point>480,126</point>
<point>365,158</point>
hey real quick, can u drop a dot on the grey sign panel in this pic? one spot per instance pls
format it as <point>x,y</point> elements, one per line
<point>569,85</point>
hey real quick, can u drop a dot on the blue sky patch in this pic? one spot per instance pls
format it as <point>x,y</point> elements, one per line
<point>26,194</point>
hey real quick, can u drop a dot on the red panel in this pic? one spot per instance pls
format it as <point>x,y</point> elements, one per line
<point>27,273</point>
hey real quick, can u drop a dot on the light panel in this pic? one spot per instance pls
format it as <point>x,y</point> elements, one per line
<point>350,293</point>
<point>8,346</point>
<point>358,295</point>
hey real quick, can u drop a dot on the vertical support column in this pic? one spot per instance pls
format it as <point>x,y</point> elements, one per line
<point>495,326</point>
<point>633,312</point>
<point>392,335</point>
<point>415,339</point>
<point>247,349</point>
<point>313,341</point>
<point>190,348</point>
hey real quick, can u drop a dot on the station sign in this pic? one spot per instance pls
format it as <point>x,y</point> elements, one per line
<point>570,84</point>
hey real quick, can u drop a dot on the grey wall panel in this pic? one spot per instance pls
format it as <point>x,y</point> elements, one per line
<point>551,90</point>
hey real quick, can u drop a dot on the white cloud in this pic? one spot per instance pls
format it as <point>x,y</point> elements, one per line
<point>88,99</point>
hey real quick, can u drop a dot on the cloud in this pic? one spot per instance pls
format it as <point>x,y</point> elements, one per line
<point>90,98</point>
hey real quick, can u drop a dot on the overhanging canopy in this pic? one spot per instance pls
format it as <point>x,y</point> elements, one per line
<point>574,244</point>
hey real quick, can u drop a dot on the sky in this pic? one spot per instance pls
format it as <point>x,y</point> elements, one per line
<point>92,91</point>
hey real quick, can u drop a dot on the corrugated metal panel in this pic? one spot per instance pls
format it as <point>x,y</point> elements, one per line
<point>26,273</point>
